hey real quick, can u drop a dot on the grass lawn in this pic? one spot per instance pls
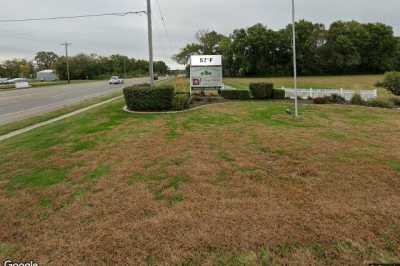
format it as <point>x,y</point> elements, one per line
<point>239,183</point>
<point>357,82</point>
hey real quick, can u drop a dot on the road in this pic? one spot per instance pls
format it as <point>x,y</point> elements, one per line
<point>19,104</point>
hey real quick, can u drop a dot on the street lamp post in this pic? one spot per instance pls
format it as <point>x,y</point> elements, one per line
<point>296,107</point>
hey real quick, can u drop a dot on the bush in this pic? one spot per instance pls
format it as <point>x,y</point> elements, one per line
<point>278,94</point>
<point>261,90</point>
<point>395,100</point>
<point>146,98</point>
<point>235,94</point>
<point>391,82</point>
<point>335,98</point>
<point>181,102</point>
<point>321,100</point>
<point>357,100</point>
<point>383,103</point>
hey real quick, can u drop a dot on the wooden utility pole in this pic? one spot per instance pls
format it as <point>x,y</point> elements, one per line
<point>67,44</point>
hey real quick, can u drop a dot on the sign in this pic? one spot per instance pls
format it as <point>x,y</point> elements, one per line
<point>206,71</point>
<point>206,77</point>
<point>206,60</point>
<point>22,85</point>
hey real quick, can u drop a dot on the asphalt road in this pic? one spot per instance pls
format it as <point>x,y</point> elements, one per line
<point>19,104</point>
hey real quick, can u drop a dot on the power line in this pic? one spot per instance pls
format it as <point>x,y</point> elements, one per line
<point>120,14</point>
<point>164,23</point>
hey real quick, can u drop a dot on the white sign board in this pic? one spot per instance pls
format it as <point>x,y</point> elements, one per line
<point>22,85</point>
<point>206,60</point>
<point>206,71</point>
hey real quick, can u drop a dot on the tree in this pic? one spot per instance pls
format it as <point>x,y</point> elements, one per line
<point>46,60</point>
<point>345,48</point>
<point>379,51</point>
<point>17,68</point>
<point>191,49</point>
<point>92,66</point>
<point>310,40</point>
<point>396,58</point>
<point>392,82</point>
<point>160,67</point>
<point>208,43</point>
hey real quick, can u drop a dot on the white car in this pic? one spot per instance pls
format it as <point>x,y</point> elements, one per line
<point>13,81</point>
<point>115,80</point>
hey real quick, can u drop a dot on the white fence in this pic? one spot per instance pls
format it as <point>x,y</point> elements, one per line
<point>366,95</point>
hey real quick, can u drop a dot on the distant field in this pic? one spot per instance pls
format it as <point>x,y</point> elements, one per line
<point>357,82</point>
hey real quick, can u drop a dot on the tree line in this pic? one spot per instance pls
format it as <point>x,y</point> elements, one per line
<point>82,66</point>
<point>342,48</point>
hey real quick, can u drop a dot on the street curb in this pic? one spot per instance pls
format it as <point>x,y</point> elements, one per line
<point>48,122</point>
<point>125,109</point>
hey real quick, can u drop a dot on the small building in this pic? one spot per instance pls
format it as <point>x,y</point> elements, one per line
<point>46,75</point>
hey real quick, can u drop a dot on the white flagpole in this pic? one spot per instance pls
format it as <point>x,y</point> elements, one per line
<point>294,59</point>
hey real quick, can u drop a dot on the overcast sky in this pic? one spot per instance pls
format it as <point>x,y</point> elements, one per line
<point>128,35</point>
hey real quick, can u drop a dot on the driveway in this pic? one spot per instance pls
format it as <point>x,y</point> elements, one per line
<point>19,104</point>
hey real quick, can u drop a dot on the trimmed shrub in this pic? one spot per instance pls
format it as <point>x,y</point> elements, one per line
<point>392,82</point>
<point>395,100</point>
<point>235,94</point>
<point>383,103</point>
<point>261,90</point>
<point>146,98</point>
<point>321,100</point>
<point>357,100</point>
<point>181,102</point>
<point>278,94</point>
<point>335,98</point>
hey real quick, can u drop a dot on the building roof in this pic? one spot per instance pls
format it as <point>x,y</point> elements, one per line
<point>47,71</point>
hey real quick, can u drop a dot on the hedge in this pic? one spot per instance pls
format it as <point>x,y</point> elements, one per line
<point>382,103</point>
<point>235,94</point>
<point>278,94</point>
<point>335,98</point>
<point>145,98</point>
<point>357,100</point>
<point>395,100</point>
<point>392,82</point>
<point>261,90</point>
<point>321,100</point>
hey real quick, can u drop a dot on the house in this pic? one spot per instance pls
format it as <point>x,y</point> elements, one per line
<point>46,75</point>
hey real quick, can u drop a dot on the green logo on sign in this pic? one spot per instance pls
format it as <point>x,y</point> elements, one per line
<point>206,73</point>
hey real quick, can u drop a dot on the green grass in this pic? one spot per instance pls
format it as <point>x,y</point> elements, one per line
<point>38,178</point>
<point>6,250</point>
<point>100,171</point>
<point>395,165</point>
<point>233,180</point>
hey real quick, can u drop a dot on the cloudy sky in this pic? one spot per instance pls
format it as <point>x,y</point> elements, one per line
<point>128,35</point>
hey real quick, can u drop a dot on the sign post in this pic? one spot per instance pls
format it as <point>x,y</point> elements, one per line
<point>205,72</point>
